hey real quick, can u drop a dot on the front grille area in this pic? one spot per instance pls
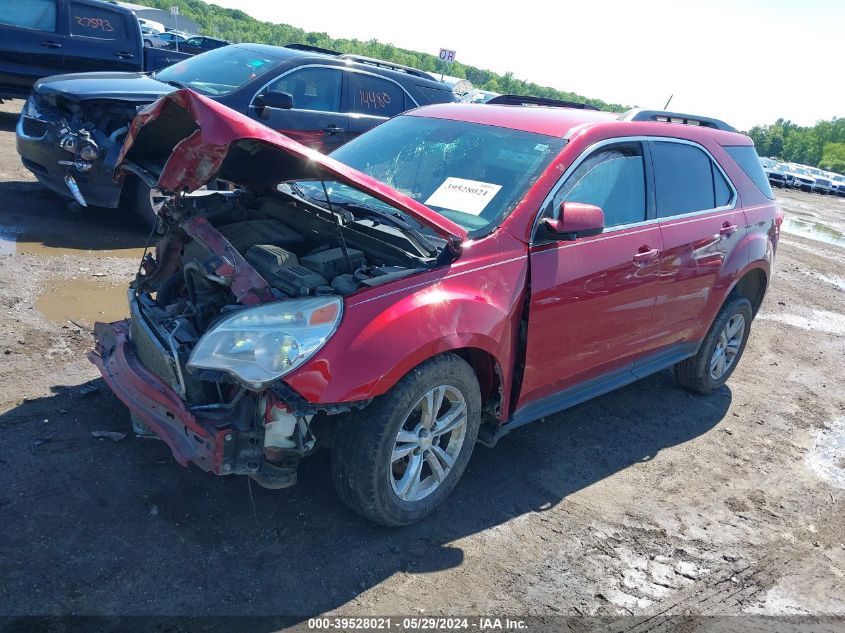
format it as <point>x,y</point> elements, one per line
<point>34,127</point>
<point>157,358</point>
<point>150,352</point>
<point>45,107</point>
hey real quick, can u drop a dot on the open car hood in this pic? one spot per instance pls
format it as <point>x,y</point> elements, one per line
<point>185,140</point>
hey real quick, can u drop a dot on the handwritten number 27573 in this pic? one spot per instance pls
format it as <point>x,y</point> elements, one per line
<point>94,23</point>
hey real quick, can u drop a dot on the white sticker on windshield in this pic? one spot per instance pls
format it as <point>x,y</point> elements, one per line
<point>467,196</point>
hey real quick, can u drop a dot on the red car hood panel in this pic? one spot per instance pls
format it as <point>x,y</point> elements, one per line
<point>188,140</point>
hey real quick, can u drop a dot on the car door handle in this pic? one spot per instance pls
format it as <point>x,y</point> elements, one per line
<point>51,44</point>
<point>331,130</point>
<point>728,229</point>
<point>645,255</point>
<point>124,54</point>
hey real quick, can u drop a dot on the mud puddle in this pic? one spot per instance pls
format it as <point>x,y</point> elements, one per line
<point>83,301</point>
<point>814,231</point>
<point>827,457</point>
<point>16,242</point>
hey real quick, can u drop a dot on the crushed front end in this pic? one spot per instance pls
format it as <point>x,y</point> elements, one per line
<point>243,289</point>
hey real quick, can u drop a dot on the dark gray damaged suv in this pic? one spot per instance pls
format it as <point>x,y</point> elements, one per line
<point>72,127</point>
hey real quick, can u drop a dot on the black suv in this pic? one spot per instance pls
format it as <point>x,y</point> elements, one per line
<point>197,44</point>
<point>73,126</point>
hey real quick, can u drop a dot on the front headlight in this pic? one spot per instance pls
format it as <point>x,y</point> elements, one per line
<point>260,345</point>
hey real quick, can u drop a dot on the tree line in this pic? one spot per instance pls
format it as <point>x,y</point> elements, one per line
<point>822,145</point>
<point>236,26</point>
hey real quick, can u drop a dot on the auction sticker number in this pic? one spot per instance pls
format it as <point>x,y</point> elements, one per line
<point>347,624</point>
<point>460,194</point>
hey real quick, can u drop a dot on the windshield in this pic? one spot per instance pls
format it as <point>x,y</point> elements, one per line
<point>218,72</point>
<point>470,173</point>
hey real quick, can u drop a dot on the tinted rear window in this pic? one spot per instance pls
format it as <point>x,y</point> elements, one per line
<point>91,21</point>
<point>684,178</point>
<point>433,95</point>
<point>746,157</point>
<point>376,96</point>
<point>34,14</point>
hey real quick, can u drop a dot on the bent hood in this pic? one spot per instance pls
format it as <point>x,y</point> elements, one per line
<point>133,87</point>
<point>185,140</point>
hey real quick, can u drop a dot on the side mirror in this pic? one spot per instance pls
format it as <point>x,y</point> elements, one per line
<point>576,220</point>
<point>274,99</point>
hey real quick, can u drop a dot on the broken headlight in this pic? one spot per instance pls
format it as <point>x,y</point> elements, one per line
<point>259,345</point>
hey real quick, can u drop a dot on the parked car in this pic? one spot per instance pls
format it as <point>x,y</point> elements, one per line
<point>450,275</point>
<point>839,181</point>
<point>197,44</point>
<point>801,178</point>
<point>49,37</point>
<point>70,131</point>
<point>776,172</point>
<point>148,33</point>
<point>823,184</point>
<point>168,40</point>
<point>158,27</point>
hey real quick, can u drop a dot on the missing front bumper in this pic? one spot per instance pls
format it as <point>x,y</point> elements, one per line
<point>219,442</point>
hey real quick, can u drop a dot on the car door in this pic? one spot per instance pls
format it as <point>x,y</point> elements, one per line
<point>701,226</point>
<point>592,298</point>
<point>31,40</point>
<point>315,119</point>
<point>371,99</point>
<point>102,39</point>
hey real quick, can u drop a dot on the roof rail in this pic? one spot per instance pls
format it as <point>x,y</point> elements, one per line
<point>362,59</point>
<point>639,114</point>
<point>538,101</point>
<point>312,49</point>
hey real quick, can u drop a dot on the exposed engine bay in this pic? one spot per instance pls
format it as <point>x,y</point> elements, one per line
<point>222,254</point>
<point>246,286</point>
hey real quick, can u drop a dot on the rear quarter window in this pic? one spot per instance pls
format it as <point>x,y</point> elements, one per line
<point>90,21</point>
<point>746,157</point>
<point>433,95</point>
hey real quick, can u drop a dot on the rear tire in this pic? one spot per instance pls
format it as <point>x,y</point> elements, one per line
<point>721,349</point>
<point>392,462</point>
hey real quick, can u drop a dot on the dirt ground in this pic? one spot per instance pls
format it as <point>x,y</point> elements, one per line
<point>649,500</point>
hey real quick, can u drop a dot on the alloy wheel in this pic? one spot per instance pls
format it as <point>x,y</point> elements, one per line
<point>727,346</point>
<point>428,443</point>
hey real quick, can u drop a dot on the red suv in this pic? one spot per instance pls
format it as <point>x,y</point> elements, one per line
<point>455,273</point>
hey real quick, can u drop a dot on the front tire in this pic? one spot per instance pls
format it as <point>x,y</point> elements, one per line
<point>143,202</point>
<point>719,354</point>
<point>398,459</point>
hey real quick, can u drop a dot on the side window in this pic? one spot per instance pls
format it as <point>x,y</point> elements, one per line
<point>686,180</point>
<point>194,41</point>
<point>723,192</point>
<point>32,14</point>
<point>312,88</point>
<point>92,21</point>
<point>376,96</point>
<point>746,157</point>
<point>612,178</point>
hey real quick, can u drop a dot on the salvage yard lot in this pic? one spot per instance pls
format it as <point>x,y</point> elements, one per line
<point>647,500</point>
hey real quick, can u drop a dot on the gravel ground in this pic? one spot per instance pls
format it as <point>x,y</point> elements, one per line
<point>649,500</point>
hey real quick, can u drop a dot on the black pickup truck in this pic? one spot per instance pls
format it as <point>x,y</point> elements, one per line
<point>39,38</point>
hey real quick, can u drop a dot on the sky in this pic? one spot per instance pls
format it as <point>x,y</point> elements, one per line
<point>747,62</point>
